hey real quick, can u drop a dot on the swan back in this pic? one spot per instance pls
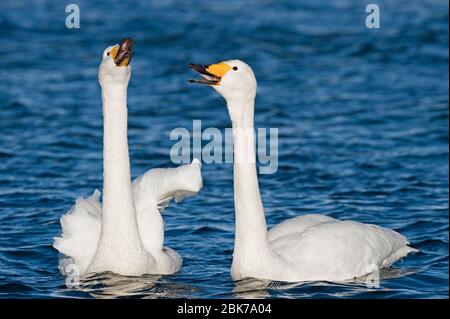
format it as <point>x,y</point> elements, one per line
<point>340,250</point>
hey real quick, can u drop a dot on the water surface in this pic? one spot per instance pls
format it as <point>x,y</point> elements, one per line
<point>362,118</point>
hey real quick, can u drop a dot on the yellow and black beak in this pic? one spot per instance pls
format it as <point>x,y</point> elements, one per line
<point>212,74</point>
<point>122,52</point>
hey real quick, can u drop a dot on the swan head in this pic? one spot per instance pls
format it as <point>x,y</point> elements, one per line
<point>233,79</point>
<point>115,66</point>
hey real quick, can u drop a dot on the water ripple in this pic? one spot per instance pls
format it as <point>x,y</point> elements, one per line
<point>362,117</point>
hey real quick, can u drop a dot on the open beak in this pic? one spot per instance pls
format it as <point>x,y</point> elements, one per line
<point>212,74</point>
<point>122,53</point>
<point>209,78</point>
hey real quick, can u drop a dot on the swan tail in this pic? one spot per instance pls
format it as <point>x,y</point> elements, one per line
<point>164,184</point>
<point>81,228</point>
<point>397,255</point>
<point>398,244</point>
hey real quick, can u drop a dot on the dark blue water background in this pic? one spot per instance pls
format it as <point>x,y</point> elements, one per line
<point>362,117</point>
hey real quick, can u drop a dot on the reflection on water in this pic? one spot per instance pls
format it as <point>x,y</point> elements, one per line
<point>109,285</point>
<point>253,288</point>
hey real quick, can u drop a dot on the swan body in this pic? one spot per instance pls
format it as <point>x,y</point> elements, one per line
<point>152,191</point>
<point>125,233</point>
<point>304,248</point>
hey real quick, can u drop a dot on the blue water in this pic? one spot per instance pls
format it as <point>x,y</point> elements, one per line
<point>362,117</point>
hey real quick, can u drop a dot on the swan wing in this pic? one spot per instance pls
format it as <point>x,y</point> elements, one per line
<point>297,225</point>
<point>163,184</point>
<point>81,228</point>
<point>152,193</point>
<point>341,250</point>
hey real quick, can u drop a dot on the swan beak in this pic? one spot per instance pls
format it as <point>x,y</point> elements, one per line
<point>122,52</point>
<point>212,73</point>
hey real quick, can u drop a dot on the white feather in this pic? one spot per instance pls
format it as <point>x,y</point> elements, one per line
<point>81,226</point>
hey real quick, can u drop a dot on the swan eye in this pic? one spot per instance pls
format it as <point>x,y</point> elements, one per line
<point>108,53</point>
<point>235,68</point>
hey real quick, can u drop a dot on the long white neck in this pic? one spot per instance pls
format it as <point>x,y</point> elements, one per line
<point>251,229</point>
<point>119,225</point>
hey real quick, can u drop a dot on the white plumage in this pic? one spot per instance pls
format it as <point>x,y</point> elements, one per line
<point>305,248</point>
<point>81,226</point>
<point>125,233</point>
<point>325,248</point>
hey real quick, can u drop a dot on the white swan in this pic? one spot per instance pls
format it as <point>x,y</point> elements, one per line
<point>125,234</point>
<point>305,248</point>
